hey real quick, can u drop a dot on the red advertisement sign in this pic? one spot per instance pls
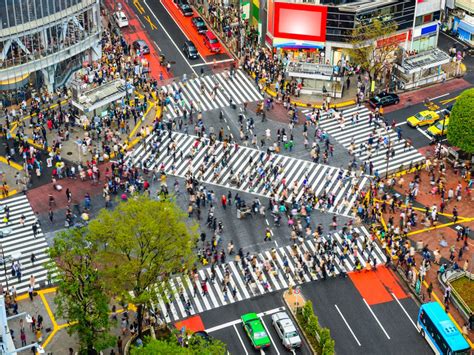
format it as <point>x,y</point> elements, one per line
<point>300,21</point>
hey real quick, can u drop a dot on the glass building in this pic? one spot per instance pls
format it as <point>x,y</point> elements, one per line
<point>43,41</point>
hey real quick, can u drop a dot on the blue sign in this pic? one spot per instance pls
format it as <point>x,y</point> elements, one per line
<point>429,29</point>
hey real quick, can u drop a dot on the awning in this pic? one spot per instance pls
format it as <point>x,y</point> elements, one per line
<point>466,26</point>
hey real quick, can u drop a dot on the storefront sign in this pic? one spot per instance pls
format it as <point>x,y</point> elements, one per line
<point>429,29</point>
<point>384,42</point>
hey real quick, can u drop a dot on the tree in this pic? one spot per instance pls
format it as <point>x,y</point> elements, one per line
<point>373,47</point>
<point>461,122</point>
<point>80,295</point>
<point>143,241</point>
<point>171,346</point>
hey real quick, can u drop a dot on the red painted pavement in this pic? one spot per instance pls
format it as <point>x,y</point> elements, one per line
<point>186,26</point>
<point>135,31</point>
<point>377,286</point>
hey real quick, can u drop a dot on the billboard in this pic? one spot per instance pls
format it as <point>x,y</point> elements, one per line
<point>300,21</point>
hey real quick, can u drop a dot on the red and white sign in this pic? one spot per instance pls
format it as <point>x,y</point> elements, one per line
<point>299,21</point>
<point>394,40</point>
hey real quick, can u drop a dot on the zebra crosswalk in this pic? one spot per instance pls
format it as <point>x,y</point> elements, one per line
<point>294,172</point>
<point>19,243</point>
<point>209,92</point>
<point>265,272</point>
<point>356,132</point>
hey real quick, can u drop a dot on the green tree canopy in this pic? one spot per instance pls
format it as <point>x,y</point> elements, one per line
<point>372,46</point>
<point>143,242</point>
<point>461,122</point>
<point>80,296</point>
<point>197,345</point>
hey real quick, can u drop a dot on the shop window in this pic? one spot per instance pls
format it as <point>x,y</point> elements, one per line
<point>427,18</point>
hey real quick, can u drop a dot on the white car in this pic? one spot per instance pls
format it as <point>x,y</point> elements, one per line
<point>121,19</point>
<point>286,330</point>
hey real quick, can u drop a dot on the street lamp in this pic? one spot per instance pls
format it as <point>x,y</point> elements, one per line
<point>3,233</point>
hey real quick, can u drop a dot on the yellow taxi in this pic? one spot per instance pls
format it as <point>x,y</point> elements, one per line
<point>422,118</point>
<point>436,129</point>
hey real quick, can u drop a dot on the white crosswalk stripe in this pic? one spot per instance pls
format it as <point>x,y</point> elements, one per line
<point>359,132</point>
<point>20,243</point>
<point>320,177</point>
<point>239,88</point>
<point>270,271</point>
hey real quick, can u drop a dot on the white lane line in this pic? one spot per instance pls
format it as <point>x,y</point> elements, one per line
<point>423,133</point>
<point>438,97</point>
<point>380,324</point>
<point>222,61</point>
<point>404,310</point>
<point>268,333</point>
<point>240,338</point>
<point>347,324</point>
<point>237,321</point>
<point>156,44</point>
<point>401,123</point>
<point>171,39</point>
<point>223,326</point>
<point>200,64</point>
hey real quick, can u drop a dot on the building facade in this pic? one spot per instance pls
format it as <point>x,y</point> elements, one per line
<point>43,41</point>
<point>320,31</point>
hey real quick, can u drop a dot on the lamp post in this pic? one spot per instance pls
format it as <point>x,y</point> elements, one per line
<point>3,233</point>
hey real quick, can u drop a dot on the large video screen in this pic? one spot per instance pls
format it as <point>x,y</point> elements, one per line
<point>300,21</point>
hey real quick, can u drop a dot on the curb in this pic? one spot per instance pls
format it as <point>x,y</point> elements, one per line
<point>273,93</point>
<point>303,333</point>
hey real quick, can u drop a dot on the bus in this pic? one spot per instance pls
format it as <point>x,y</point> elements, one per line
<point>440,332</point>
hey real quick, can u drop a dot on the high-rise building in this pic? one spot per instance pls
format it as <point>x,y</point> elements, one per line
<point>43,41</point>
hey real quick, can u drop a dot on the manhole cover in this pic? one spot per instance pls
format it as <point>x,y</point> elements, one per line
<point>69,153</point>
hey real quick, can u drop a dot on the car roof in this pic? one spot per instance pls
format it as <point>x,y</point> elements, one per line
<point>210,35</point>
<point>426,112</point>
<point>198,18</point>
<point>189,43</point>
<point>121,13</point>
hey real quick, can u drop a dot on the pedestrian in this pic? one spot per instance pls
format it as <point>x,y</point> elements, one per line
<point>33,258</point>
<point>23,337</point>
<point>120,345</point>
<point>429,290</point>
<point>51,215</point>
<point>30,292</point>
<point>34,227</point>
<point>268,234</point>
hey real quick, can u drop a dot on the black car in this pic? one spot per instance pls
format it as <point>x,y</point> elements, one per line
<point>190,50</point>
<point>384,99</point>
<point>186,10</point>
<point>448,109</point>
<point>199,24</point>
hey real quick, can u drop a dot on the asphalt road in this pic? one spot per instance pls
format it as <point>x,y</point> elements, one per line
<point>398,335</point>
<point>220,323</point>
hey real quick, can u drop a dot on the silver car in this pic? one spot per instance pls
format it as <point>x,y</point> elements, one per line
<point>286,330</point>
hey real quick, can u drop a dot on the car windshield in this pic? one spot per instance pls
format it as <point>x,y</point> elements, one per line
<point>291,334</point>
<point>420,117</point>
<point>376,98</point>
<point>214,40</point>
<point>260,335</point>
<point>185,6</point>
<point>440,125</point>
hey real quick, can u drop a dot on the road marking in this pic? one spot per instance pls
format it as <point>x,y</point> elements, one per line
<point>171,39</point>
<point>380,324</point>
<point>347,324</point>
<point>423,133</point>
<point>404,310</point>
<point>152,25</point>
<point>241,341</point>
<point>401,123</point>
<point>139,19</point>
<point>138,6</point>
<point>156,44</point>
<point>221,61</point>
<point>438,97</point>
<point>444,102</point>
<point>200,65</point>
<point>268,333</point>
<point>237,321</point>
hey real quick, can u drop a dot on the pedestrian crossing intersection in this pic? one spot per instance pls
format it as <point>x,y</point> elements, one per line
<point>265,272</point>
<point>19,243</point>
<point>320,178</point>
<point>358,131</point>
<point>209,92</point>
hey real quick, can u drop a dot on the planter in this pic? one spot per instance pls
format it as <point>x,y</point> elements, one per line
<point>157,332</point>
